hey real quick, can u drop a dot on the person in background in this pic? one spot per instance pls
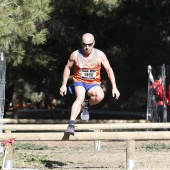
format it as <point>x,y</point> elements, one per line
<point>87,62</point>
<point>11,101</point>
<point>158,90</point>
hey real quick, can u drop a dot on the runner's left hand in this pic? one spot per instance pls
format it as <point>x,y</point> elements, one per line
<point>115,93</point>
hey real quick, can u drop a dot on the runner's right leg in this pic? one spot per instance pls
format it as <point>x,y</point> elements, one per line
<point>76,107</point>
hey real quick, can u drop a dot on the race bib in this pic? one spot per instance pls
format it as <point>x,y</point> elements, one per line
<point>88,74</point>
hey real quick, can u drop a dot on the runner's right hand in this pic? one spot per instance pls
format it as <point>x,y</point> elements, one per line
<point>63,90</point>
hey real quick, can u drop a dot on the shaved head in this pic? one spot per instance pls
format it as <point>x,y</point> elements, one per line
<point>88,38</point>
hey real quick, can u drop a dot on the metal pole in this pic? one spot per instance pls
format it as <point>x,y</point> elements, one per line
<point>2,87</point>
<point>2,93</point>
<point>150,79</point>
<point>164,107</point>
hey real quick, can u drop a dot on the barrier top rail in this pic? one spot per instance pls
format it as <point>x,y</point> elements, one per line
<point>88,136</point>
<point>63,121</point>
<point>62,127</point>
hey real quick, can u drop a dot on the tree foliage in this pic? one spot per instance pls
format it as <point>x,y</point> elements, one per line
<point>22,21</point>
<point>132,33</point>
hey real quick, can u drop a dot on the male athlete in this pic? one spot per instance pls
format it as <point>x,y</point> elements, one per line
<point>87,63</point>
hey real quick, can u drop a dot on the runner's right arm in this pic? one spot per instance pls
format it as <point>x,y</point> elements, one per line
<point>66,74</point>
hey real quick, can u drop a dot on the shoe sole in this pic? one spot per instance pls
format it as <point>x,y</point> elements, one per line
<point>83,119</point>
<point>69,133</point>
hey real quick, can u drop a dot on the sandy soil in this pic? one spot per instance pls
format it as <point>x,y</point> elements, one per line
<point>111,156</point>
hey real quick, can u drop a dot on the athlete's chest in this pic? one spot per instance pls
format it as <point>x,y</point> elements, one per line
<point>92,61</point>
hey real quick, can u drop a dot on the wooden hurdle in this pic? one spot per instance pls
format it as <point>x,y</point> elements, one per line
<point>108,126</point>
<point>129,132</point>
<point>65,121</point>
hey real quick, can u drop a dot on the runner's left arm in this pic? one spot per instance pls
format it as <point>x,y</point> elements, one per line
<point>111,76</point>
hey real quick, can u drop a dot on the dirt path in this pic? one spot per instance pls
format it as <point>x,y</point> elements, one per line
<point>82,156</point>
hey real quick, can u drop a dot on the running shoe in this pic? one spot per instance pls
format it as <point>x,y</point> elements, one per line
<point>70,129</point>
<point>85,113</point>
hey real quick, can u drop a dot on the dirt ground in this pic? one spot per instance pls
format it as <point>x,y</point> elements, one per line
<point>81,155</point>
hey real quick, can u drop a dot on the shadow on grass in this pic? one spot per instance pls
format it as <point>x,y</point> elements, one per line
<point>57,164</point>
<point>53,164</point>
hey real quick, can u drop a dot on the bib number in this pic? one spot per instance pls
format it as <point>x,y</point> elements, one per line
<point>88,74</point>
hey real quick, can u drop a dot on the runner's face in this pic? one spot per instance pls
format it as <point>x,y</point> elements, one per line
<point>87,45</point>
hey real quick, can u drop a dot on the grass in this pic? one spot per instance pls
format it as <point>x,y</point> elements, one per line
<point>30,146</point>
<point>24,155</point>
<point>77,156</point>
<point>156,147</point>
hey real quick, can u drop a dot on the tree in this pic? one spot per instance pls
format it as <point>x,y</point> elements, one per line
<point>132,33</point>
<point>22,21</point>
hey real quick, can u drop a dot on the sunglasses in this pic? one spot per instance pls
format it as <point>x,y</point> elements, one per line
<point>84,44</point>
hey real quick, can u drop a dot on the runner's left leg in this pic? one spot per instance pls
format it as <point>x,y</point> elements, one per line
<point>96,95</point>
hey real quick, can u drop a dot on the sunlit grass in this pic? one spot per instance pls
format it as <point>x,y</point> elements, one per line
<point>150,156</point>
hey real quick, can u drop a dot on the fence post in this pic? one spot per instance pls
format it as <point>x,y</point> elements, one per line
<point>97,144</point>
<point>130,154</point>
<point>8,161</point>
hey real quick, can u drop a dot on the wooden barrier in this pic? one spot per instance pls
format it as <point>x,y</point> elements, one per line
<point>88,136</point>
<point>65,121</point>
<point>91,132</point>
<point>109,126</point>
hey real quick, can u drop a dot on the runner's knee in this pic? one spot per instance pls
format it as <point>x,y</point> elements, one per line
<point>80,98</point>
<point>99,96</point>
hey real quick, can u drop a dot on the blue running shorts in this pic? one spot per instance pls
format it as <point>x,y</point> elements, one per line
<point>86,86</point>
